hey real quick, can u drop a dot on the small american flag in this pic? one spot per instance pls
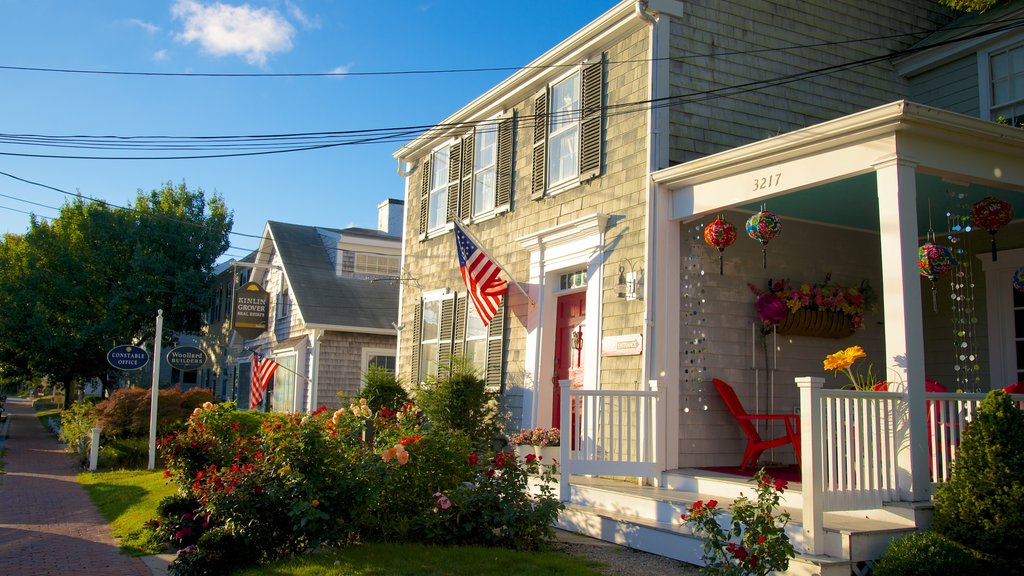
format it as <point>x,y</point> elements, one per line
<point>262,371</point>
<point>480,274</point>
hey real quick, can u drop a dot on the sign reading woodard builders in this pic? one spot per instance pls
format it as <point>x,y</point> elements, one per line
<point>126,357</point>
<point>250,311</point>
<point>186,358</point>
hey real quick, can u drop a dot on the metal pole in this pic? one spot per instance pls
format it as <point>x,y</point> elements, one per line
<point>155,393</point>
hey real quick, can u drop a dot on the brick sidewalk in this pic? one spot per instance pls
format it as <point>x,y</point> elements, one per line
<point>48,525</point>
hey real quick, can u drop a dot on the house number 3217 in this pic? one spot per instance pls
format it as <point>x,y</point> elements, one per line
<point>766,182</point>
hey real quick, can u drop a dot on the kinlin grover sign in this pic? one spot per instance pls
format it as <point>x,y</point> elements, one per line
<point>127,357</point>
<point>250,310</point>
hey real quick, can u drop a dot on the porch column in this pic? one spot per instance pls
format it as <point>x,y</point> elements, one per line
<point>904,334</point>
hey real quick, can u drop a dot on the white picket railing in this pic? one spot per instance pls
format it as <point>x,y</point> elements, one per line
<point>850,440</point>
<point>608,432</point>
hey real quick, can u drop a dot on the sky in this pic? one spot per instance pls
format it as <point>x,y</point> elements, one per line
<point>61,74</point>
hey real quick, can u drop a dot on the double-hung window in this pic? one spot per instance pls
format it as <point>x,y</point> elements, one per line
<point>437,207</point>
<point>449,326</point>
<point>430,340</point>
<point>1006,78</point>
<point>485,157</point>
<point>567,133</point>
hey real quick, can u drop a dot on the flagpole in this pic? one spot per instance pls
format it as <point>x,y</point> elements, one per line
<point>466,231</point>
<point>279,366</point>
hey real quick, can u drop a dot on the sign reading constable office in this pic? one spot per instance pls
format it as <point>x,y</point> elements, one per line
<point>186,358</point>
<point>126,357</point>
<point>250,310</point>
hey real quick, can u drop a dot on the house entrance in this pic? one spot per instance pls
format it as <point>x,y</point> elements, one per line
<point>572,310</point>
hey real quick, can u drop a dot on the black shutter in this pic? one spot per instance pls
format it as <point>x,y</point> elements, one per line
<point>496,347</point>
<point>591,102</point>
<point>466,187</point>
<point>454,165</point>
<point>459,337</point>
<point>424,197</point>
<point>417,332</point>
<point>444,348</point>
<point>540,146</point>
<point>505,163</point>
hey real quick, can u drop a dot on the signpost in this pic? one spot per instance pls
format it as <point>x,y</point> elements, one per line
<point>156,388</point>
<point>249,311</point>
<point>186,358</point>
<point>127,357</point>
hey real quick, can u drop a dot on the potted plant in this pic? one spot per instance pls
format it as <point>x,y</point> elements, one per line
<point>824,310</point>
<point>541,442</point>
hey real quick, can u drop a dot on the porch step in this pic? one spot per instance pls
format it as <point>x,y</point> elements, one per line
<point>615,510</point>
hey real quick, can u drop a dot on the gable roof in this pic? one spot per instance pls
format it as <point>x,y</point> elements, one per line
<point>324,299</point>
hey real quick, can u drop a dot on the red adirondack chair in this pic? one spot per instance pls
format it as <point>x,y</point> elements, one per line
<point>755,444</point>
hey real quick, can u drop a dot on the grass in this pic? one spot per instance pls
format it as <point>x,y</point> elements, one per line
<point>127,499</point>
<point>421,560</point>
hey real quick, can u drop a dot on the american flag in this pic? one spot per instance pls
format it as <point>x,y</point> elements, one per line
<point>262,371</point>
<point>480,274</point>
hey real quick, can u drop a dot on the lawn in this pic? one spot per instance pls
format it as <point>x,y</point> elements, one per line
<point>127,499</point>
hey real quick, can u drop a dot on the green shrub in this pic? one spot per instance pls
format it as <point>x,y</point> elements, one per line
<point>980,506</point>
<point>124,453</point>
<point>218,551</point>
<point>382,389</point>
<point>76,424</point>
<point>461,401</point>
<point>925,554</point>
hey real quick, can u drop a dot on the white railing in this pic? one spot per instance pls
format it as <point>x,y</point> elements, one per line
<point>850,440</point>
<point>608,432</point>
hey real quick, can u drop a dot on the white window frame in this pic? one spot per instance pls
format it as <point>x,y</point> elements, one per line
<point>433,298</point>
<point>282,374</point>
<point>488,128</point>
<point>984,59</point>
<point>1002,337</point>
<point>368,353</point>
<point>558,125</point>
<point>437,221</point>
<point>284,301</point>
<point>383,264</point>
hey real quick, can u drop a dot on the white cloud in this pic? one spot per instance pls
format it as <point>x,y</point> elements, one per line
<point>161,55</point>
<point>147,26</point>
<point>340,70</point>
<point>307,22</point>
<point>224,30</point>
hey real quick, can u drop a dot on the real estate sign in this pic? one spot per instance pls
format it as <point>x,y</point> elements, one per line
<point>249,311</point>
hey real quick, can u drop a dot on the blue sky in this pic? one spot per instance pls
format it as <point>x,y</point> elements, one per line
<point>334,187</point>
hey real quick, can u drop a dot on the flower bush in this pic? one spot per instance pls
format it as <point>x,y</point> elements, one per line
<point>754,542</point>
<point>539,436</point>
<point>843,361</point>
<point>781,298</point>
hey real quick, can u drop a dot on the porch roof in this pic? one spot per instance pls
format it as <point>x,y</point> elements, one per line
<point>814,173</point>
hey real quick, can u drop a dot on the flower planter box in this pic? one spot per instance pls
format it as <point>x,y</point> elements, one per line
<point>816,323</point>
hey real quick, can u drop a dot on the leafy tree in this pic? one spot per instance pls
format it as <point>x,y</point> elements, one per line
<point>95,276</point>
<point>969,5</point>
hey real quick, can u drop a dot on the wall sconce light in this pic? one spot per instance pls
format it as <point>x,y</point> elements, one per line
<point>631,284</point>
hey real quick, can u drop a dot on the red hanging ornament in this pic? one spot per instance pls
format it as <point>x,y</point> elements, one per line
<point>991,213</point>
<point>720,234</point>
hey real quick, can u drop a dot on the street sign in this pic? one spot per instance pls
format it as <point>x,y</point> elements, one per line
<point>186,358</point>
<point>127,357</point>
<point>250,310</point>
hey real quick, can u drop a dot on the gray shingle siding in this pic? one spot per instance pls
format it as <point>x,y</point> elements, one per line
<point>953,86</point>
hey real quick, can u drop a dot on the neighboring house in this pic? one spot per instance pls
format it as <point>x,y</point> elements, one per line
<point>590,174</point>
<point>333,313</point>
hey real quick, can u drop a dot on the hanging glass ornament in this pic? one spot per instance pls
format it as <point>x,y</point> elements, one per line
<point>1018,280</point>
<point>720,234</point>
<point>991,213</point>
<point>934,260</point>
<point>763,227</point>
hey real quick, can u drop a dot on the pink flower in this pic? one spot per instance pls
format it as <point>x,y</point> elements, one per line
<point>443,501</point>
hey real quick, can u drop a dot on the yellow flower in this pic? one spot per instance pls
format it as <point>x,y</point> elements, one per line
<point>843,359</point>
<point>207,405</point>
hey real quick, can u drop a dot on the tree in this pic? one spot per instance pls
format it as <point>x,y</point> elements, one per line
<point>969,5</point>
<point>95,276</point>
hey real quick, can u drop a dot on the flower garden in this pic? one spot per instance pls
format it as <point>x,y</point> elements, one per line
<point>253,487</point>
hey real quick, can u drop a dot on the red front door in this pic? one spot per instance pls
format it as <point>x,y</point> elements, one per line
<point>568,348</point>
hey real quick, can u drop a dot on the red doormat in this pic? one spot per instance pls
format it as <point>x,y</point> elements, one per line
<point>789,473</point>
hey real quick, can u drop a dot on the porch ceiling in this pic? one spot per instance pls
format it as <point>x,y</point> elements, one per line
<point>853,202</point>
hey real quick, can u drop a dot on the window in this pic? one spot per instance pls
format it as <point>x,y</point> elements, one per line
<point>1006,73</point>
<point>283,395</point>
<point>284,301</point>
<point>485,156</point>
<point>430,340</point>
<point>376,264</point>
<point>450,326</point>
<point>244,375</point>
<point>563,131</point>
<point>437,206</point>
<point>567,145</point>
<point>380,357</point>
